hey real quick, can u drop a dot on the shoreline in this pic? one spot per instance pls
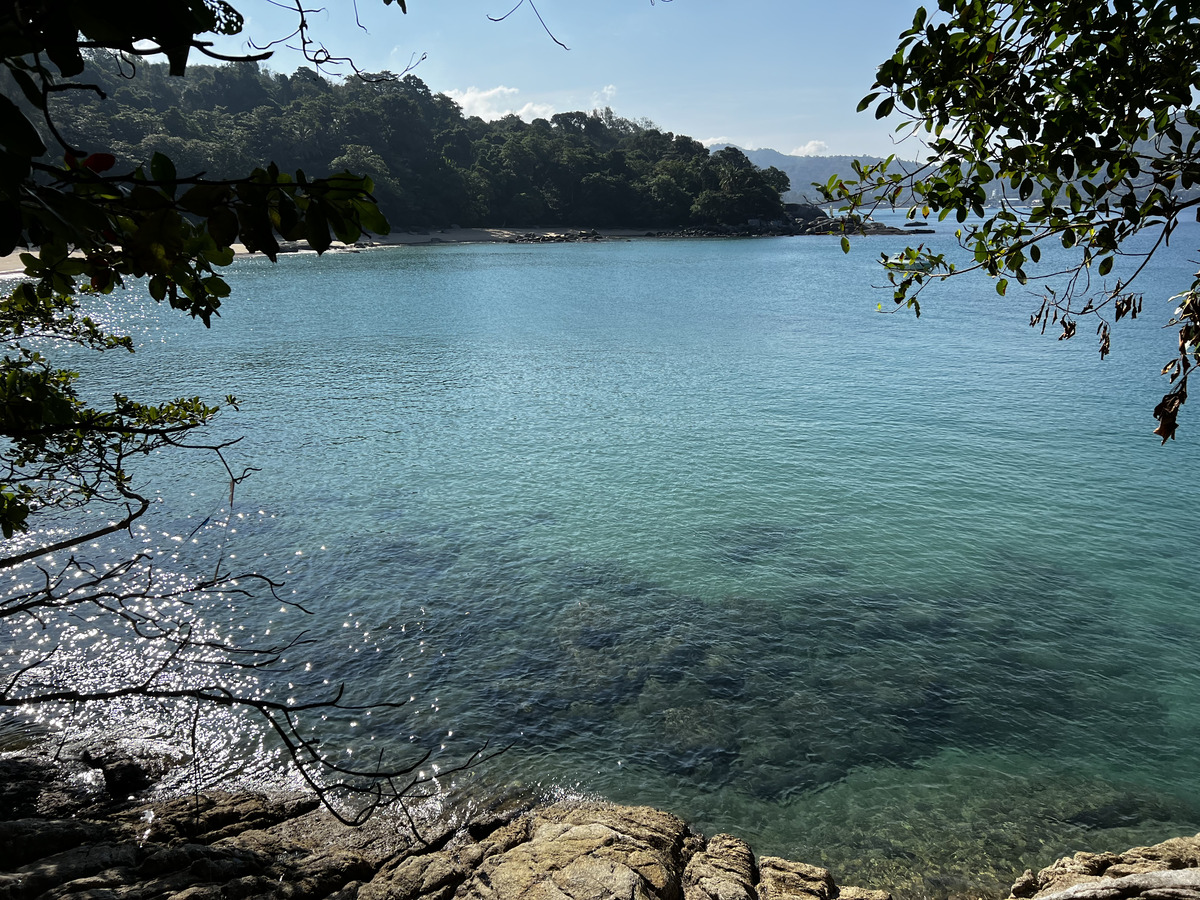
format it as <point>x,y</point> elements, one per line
<point>78,823</point>
<point>10,265</point>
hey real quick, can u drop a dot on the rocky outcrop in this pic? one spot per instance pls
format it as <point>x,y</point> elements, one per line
<point>66,832</point>
<point>1166,871</point>
<point>250,846</point>
<point>826,225</point>
<point>83,844</point>
<point>556,237</point>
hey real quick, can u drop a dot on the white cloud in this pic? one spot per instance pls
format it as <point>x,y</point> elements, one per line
<point>723,141</point>
<point>812,148</point>
<point>497,102</point>
<point>603,98</point>
<point>531,111</point>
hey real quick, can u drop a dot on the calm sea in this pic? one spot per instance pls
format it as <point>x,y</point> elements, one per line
<point>692,524</point>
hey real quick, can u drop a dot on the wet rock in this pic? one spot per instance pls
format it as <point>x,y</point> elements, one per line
<point>127,770</point>
<point>97,863</point>
<point>212,817</point>
<point>123,777</point>
<point>25,840</point>
<point>35,784</point>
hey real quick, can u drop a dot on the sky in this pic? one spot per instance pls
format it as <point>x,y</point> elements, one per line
<point>779,74</point>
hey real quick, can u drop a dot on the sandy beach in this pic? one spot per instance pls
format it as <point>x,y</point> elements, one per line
<point>11,264</point>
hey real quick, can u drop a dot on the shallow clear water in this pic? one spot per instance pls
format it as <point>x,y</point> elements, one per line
<point>689,523</point>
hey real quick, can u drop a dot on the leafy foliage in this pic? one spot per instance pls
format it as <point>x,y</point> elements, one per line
<point>1082,111</point>
<point>429,165</point>
<point>92,221</point>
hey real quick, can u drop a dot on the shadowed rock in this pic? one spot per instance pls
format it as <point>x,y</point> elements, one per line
<point>245,845</point>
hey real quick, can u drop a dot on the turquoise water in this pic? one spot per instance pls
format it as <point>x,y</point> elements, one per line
<point>689,523</point>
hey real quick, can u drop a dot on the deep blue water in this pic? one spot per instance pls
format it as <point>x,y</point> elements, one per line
<point>691,524</point>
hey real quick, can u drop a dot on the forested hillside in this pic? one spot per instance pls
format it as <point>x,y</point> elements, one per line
<point>430,164</point>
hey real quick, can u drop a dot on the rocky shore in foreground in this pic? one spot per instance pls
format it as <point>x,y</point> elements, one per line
<point>64,834</point>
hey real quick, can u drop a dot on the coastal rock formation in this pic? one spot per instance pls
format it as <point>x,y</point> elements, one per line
<point>62,837</point>
<point>217,846</point>
<point>67,831</point>
<point>1166,871</point>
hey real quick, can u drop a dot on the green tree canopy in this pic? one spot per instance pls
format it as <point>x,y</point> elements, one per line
<point>1083,111</point>
<point>430,165</point>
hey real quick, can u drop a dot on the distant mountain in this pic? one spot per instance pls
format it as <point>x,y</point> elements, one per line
<point>804,170</point>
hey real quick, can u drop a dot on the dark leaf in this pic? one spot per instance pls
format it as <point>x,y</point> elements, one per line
<point>316,228</point>
<point>223,226</point>
<point>17,134</point>
<point>161,168</point>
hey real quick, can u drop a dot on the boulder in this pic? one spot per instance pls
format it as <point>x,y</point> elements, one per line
<point>1166,871</point>
<point>724,870</point>
<point>781,879</point>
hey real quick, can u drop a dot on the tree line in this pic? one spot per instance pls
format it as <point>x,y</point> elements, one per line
<point>430,164</point>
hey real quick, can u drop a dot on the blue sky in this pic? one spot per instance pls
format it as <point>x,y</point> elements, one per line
<point>784,74</point>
